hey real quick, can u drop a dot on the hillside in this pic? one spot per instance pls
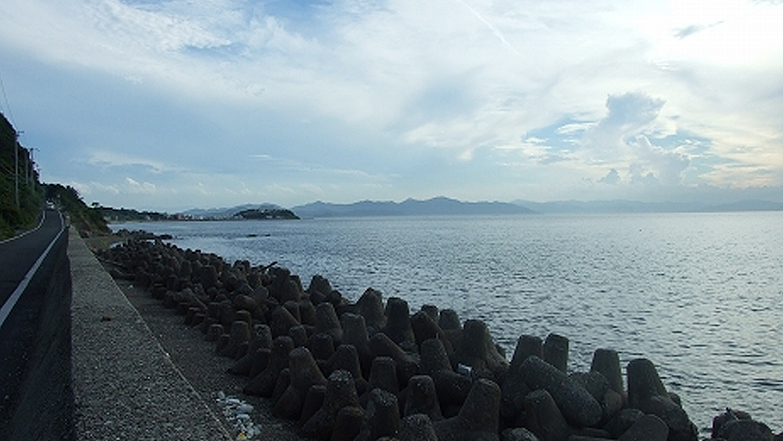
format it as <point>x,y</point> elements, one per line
<point>23,213</point>
<point>88,221</point>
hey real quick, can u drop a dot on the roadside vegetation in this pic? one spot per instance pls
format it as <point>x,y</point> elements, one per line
<point>21,195</point>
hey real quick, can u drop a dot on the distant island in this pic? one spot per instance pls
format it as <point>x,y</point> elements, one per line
<point>266,213</point>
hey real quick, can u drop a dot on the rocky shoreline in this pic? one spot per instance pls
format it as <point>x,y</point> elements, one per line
<point>370,369</point>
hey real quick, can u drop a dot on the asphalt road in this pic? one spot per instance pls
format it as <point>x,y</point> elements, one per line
<point>32,318</point>
<point>18,255</point>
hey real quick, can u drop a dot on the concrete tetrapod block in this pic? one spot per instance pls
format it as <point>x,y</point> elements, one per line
<point>322,346</point>
<point>576,404</point>
<point>449,320</point>
<point>477,349</point>
<point>745,430</point>
<point>407,366</point>
<point>425,327</point>
<point>293,308</point>
<point>262,338</point>
<point>348,425</point>
<point>383,416</point>
<point>517,434</point>
<point>319,283</point>
<point>725,417</point>
<point>432,311</point>
<point>478,420</point>
<point>281,321</point>
<point>282,383</point>
<point>340,392</point>
<point>623,421</point>
<point>260,361</point>
<point>326,322</point>
<point>514,390</point>
<point>383,375</point>
<point>434,357</point>
<point>298,334</point>
<point>355,333</point>
<point>607,362</point>
<point>556,351</point>
<point>239,333</point>
<point>527,346</point>
<point>214,332</point>
<point>543,417</point>
<point>313,401</point>
<point>422,398</point>
<point>222,342</point>
<point>307,312</point>
<point>452,388</point>
<point>264,383</point>
<point>680,426</point>
<point>647,428</point>
<point>417,427</point>
<point>370,306</point>
<point>643,382</point>
<point>398,323</point>
<point>347,359</point>
<point>304,374</point>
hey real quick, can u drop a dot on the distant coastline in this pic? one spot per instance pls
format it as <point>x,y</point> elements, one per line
<point>438,206</point>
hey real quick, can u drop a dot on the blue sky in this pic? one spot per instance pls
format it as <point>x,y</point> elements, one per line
<point>176,104</point>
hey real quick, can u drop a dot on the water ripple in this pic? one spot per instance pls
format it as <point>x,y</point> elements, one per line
<point>698,294</point>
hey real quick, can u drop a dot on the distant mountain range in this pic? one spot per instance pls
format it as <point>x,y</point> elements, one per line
<point>625,206</point>
<point>446,206</point>
<point>411,207</point>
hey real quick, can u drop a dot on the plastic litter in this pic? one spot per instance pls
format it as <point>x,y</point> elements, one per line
<point>237,414</point>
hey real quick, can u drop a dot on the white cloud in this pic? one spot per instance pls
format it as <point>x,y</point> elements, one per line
<point>666,165</point>
<point>611,178</point>
<point>107,158</point>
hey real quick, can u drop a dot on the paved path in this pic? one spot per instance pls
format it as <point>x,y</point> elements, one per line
<point>125,385</point>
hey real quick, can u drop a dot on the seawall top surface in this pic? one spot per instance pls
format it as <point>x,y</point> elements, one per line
<point>125,385</point>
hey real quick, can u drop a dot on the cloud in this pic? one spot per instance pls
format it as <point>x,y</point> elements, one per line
<point>137,187</point>
<point>111,159</point>
<point>653,161</point>
<point>541,91</point>
<point>628,115</point>
<point>611,178</point>
<point>689,30</point>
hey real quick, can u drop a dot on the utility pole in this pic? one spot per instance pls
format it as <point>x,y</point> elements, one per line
<point>31,168</point>
<point>16,169</point>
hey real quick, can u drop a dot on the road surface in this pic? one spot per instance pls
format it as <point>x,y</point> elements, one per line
<point>27,267</point>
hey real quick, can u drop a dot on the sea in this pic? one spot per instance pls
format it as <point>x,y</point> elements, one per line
<point>698,294</point>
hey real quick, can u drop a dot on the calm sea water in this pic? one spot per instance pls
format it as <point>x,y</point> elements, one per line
<point>701,295</point>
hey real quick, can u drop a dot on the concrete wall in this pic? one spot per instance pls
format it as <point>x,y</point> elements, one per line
<point>43,408</point>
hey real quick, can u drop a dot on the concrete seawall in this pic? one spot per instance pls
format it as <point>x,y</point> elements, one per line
<point>125,385</point>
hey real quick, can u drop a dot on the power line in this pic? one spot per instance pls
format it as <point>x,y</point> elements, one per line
<point>7,104</point>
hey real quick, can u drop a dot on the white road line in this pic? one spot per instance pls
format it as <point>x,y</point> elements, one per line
<point>5,311</point>
<point>43,216</point>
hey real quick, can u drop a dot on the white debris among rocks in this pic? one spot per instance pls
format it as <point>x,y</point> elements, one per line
<point>237,413</point>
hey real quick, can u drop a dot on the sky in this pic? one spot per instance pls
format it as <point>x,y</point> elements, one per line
<point>175,104</point>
